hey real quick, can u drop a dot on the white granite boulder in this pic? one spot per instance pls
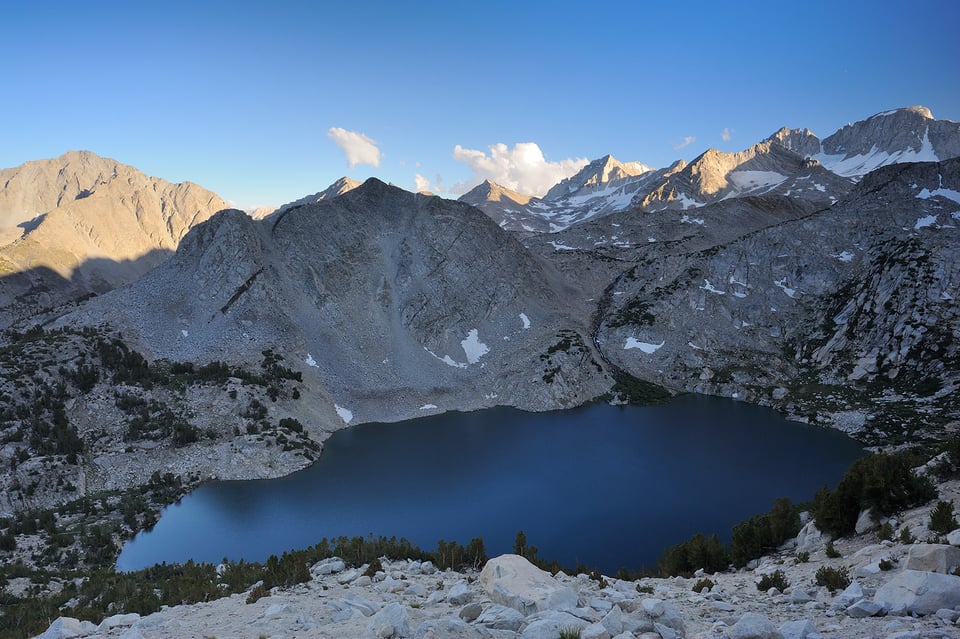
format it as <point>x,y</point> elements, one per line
<point>391,621</point>
<point>513,581</point>
<point>327,567</point>
<point>865,522</point>
<point>933,558</point>
<point>549,625</point>
<point>919,592</point>
<point>497,617</point>
<point>753,626</point>
<point>810,539</point>
<point>803,629</point>
<point>460,594</point>
<point>447,628</point>
<point>64,627</point>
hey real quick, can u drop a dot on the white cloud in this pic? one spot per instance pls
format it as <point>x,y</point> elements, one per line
<point>420,183</point>
<point>727,134</point>
<point>358,148</point>
<point>687,141</point>
<point>522,168</point>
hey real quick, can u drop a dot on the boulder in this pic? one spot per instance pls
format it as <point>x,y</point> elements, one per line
<point>919,592</point>
<point>327,567</point>
<point>637,622</point>
<point>753,626</point>
<point>810,539</point>
<point>595,631</point>
<point>460,594</point>
<point>470,612</point>
<point>355,602</point>
<point>550,624</point>
<point>864,608</point>
<point>391,621</point>
<point>866,522</point>
<point>850,595</point>
<point>347,576</point>
<point>613,621</point>
<point>65,627</point>
<point>665,632</point>
<point>413,590</point>
<point>118,621</point>
<point>447,628</point>
<point>799,630</point>
<point>653,607</point>
<point>497,617</point>
<point>513,581</point>
<point>941,558</point>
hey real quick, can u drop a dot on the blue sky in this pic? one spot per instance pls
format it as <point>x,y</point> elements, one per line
<point>241,97</point>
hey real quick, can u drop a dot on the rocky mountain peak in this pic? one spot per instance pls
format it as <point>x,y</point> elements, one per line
<point>597,173</point>
<point>338,188</point>
<point>96,224</point>
<point>490,191</point>
<point>801,141</point>
<point>916,110</point>
<point>890,137</point>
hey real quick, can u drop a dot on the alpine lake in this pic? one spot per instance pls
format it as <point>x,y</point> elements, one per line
<point>600,485</point>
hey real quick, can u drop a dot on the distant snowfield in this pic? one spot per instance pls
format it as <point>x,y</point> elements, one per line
<point>751,180</point>
<point>924,222</point>
<point>646,347</point>
<point>525,320</point>
<point>310,361</point>
<point>859,165</point>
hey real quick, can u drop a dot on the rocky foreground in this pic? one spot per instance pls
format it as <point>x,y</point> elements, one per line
<point>898,591</point>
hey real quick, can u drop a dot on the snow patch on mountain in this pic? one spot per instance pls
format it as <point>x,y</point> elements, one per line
<point>753,180</point>
<point>345,413</point>
<point>473,347</point>
<point>861,164</point>
<point>950,194</point>
<point>646,347</point>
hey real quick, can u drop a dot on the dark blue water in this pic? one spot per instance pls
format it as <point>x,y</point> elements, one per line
<point>602,485</point>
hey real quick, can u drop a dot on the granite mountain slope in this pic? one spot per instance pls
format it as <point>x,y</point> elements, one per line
<point>390,303</point>
<point>81,224</point>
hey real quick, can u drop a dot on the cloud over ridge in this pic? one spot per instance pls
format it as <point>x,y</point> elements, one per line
<point>522,168</point>
<point>358,148</point>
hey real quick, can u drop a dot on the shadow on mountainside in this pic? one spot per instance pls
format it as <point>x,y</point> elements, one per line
<point>39,294</point>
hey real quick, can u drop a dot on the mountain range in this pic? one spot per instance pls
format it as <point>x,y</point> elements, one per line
<point>819,277</point>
